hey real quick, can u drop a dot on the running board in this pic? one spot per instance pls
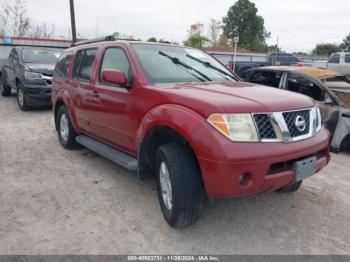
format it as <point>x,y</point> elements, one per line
<point>108,152</point>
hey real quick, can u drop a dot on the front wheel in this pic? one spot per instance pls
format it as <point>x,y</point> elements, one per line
<point>290,188</point>
<point>22,99</point>
<point>179,184</point>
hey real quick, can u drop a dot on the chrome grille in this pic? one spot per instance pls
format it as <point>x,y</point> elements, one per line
<point>264,126</point>
<point>286,126</point>
<point>291,117</point>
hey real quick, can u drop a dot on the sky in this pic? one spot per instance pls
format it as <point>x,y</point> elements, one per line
<point>298,24</point>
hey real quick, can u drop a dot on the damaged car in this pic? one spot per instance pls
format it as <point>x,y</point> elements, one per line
<point>329,89</point>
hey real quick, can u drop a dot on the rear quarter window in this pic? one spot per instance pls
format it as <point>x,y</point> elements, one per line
<point>83,64</point>
<point>62,65</point>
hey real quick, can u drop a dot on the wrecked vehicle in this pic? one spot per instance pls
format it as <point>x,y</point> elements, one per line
<point>329,89</point>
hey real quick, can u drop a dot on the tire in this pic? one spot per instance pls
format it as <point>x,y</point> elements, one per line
<point>5,89</point>
<point>187,194</point>
<point>290,188</point>
<point>21,98</point>
<point>65,130</point>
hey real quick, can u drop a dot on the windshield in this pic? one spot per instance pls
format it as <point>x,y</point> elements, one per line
<point>337,82</point>
<point>175,64</point>
<point>40,56</point>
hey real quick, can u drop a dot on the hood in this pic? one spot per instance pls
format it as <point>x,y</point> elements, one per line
<point>234,97</point>
<point>46,69</point>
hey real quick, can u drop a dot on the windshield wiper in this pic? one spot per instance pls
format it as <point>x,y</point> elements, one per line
<point>207,64</point>
<point>188,68</point>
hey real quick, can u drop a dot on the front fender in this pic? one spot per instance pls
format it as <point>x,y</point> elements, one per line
<point>179,118</point>
<point>342,130</point>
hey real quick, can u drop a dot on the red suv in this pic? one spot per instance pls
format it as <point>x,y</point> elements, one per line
<point>177,114</point>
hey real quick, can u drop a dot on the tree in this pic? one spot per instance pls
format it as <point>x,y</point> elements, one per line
<point>224,41</point>
<point>196,29</point>
<point>346,43</point>
<point>14,21</point>
<point>152,39</point>
<point>325,49</point>
<point>4,17</point>
<point>213,31</point>
<point>195,38</point>
<point>20,22</point>
<point>196,41</point>
<point>42,30</point>
<point>242,20</point>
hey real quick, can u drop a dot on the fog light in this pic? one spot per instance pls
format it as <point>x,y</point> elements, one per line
<point>245,180</point>
<point>242,179</point>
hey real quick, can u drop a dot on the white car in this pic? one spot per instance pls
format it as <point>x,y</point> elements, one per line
<point>340,62</point>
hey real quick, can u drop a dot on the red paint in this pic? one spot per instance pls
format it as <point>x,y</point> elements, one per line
<point>122,117</point>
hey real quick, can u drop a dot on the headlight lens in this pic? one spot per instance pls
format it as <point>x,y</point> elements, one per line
<point>31,75</point>
<point>236,127</point>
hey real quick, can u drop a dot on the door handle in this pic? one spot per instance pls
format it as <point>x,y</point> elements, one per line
<point>95,94</point>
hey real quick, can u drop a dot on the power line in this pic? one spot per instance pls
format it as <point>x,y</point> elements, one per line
<point>110,14</point>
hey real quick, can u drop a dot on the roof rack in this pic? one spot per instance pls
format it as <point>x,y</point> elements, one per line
<point>94,40</point>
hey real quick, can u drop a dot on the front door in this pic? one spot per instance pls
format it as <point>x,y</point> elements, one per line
<point>114,120</point>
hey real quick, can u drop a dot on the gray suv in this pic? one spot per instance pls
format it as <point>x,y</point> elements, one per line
<point>29,71</point>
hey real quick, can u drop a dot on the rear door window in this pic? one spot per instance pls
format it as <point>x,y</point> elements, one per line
<point>83,64</point>
<point>15,58</point>
<point>302,85</point>
<point>266,78</point>
<point>334,59</point>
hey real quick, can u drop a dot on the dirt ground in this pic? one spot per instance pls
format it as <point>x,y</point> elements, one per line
<point>54,201</point>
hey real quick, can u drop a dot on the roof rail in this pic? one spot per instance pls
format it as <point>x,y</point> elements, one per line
<point>94,40</point>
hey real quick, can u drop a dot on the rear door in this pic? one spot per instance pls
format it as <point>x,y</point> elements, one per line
<point>114,121</point>
<point>81,86</point>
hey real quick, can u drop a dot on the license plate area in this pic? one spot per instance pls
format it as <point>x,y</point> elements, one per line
<point>304,168</point>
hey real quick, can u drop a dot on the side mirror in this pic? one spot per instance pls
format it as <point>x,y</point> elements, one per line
<point>113,76</point>
<point>328,101</point>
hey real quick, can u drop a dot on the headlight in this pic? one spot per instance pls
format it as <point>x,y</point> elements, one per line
<point>31,75</point>
<point>319,119</point>
<point>236,127</point>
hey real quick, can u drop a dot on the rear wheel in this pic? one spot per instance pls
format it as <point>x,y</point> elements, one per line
<point>180,189</point>
<point>22,99</point>
<point>290,188</point>
<point>65,130</point>
<point>5,89</point>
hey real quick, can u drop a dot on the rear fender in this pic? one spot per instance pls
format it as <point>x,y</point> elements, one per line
<point>63,96</point>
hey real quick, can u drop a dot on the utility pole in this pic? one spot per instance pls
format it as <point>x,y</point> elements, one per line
<point>72,20</point>
<point>236,40</point>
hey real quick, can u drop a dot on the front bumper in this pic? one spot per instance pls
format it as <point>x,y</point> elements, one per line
<point>266,166</point>
<point>37,95</point>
